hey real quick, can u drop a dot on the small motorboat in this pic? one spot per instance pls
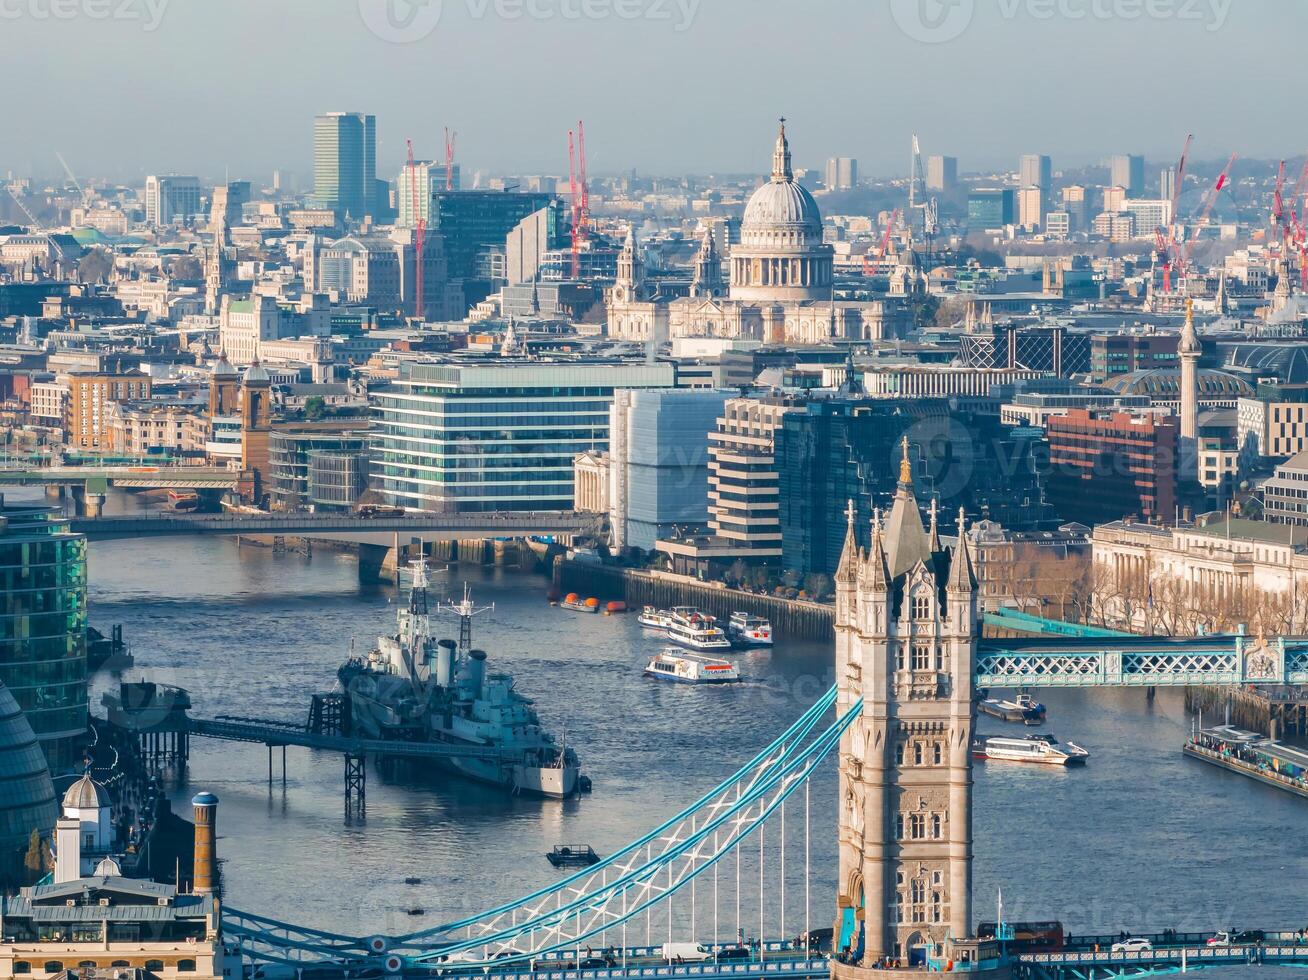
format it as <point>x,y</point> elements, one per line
<point>1025,709</point>
<point>572,856</point>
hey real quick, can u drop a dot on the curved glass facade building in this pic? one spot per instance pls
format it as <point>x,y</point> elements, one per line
<point>43,627</point>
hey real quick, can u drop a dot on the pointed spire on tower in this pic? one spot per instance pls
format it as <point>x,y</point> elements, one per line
<point>934,533</point>
<point>878,568</point>
<point>905,466</point>
<point>781,156</point>
<point>962,576</point>
<point>847,572</point>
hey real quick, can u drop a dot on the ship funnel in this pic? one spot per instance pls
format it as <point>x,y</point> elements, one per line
<point>476,676</point>
<point>445,662</point>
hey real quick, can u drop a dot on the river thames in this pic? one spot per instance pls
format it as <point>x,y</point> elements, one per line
<point>1139,839</point>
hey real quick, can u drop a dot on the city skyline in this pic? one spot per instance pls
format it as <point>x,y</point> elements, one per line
<point>215,114</point>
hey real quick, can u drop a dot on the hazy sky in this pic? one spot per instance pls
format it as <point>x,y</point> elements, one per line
<point>128,87</point>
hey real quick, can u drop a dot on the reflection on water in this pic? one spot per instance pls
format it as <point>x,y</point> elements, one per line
<point>1140,838</point>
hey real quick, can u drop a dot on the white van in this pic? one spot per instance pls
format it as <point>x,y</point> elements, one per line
<point>686,952</point>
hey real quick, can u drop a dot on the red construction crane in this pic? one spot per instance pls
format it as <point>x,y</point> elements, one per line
<point>449,158</point>
<point>885,243</point>
<point>419,236</point>
<point>1167,237</point>
<point>575,201</point>
<point>1209,200</point>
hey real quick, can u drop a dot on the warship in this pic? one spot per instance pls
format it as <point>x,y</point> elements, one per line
<point>414,687</point>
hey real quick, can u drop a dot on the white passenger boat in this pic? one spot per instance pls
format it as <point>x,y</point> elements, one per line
<point>1039,749</point>
<point>699,631</point>
<point>689,668</point>
<point>747,630</point>
<point>654,618</point>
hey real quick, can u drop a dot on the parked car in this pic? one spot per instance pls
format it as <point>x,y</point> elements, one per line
<point>1249,937</point>
<point>1219,939</point>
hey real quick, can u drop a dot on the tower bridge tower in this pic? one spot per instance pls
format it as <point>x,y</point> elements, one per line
<point>906,632</point>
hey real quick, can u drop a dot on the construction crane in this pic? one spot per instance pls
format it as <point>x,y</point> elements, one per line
<point>86,198</point>
<point>885,244</point>
<point>1206,211</point>
<point>1167,247</point>
<point>419,236</point>
<point>450,137</point>
<point>578,192</point>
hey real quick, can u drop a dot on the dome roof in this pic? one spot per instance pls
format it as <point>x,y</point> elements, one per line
<point>1165,383</point>
<point>86,794</point>
<point>223,368</point>
<point>30,802</point>
<point>782,212</point>
<point>785,203</point>
<point>256,373</point>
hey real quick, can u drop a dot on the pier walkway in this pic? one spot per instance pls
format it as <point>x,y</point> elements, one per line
<point>276,735</point>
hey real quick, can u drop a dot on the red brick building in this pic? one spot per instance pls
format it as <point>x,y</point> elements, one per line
<point>1105,466</point>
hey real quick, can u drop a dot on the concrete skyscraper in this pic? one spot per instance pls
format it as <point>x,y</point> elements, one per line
<point>941,173</point>
<point>1127,170</point>
<point>345,163</point>
<point>1036,170</point>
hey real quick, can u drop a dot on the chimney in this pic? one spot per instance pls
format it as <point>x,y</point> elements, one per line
<point>205,861</point>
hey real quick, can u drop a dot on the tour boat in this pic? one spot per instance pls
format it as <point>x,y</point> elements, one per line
<point>1040,749</point>
<point>689,668</point>
<point>747,630</point>
<point>691,628</point>
<point>1025,709</point>
<point>654,618</point>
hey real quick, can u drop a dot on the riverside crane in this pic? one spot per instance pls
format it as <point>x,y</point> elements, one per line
<point>1167,237</point>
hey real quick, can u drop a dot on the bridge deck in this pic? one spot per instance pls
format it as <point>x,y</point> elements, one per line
<point>240,731</point>
<point>491,525</point>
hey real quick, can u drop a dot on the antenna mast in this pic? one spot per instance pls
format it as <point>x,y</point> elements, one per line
<point>465,610</point>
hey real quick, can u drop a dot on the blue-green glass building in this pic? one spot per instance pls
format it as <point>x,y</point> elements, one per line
<point>43,627</point>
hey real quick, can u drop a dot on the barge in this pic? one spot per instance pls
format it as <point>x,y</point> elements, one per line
<point>1248,753</point>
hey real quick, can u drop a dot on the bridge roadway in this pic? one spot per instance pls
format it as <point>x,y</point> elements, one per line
<point>128,477</point>
<point>346,526</point>
<point>1172,953</point>
<point>273,734</point>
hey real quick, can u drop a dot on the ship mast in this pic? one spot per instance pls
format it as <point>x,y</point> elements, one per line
<point>465,610</point>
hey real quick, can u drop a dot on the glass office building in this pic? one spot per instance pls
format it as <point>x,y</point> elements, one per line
<point>841,450</point>
<point>474,436</point>
<point>43,627</point>
<point>299,479</point>
<point>345,163</point>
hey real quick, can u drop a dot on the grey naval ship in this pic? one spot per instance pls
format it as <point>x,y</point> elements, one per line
<point>413,687</point>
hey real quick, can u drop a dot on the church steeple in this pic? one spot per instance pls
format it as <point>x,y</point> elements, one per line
<point>707,279</point>
<point>781,170</point>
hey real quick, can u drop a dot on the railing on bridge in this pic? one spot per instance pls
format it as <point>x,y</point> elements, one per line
<point>1107,964</point>
<point>490,525</point>
<point>1016,621</point>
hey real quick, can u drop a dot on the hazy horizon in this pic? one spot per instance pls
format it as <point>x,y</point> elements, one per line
<point>123,88</point>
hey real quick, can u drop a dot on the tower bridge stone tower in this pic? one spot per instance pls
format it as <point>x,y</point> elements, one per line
<point>906,632</point>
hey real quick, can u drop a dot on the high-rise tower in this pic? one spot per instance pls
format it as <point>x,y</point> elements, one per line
<point>906,631</point>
